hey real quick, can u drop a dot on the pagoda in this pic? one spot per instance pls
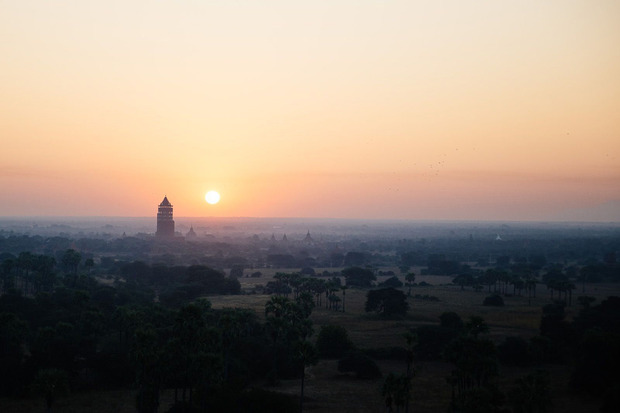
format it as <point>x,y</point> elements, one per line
<point>191,233</point>
<point>165,223</point>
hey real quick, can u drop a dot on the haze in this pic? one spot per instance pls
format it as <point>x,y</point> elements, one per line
<point>344,109</point>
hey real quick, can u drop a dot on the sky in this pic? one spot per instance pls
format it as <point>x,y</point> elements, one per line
<point>366,109</point>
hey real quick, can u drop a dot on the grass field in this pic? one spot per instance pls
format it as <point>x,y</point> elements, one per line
<point>329,391</point>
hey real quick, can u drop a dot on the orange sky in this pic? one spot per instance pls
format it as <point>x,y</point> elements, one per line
<point>349,109</point>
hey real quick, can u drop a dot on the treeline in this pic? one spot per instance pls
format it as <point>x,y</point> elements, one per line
<point>177,285</point>
<point>560,281</point>
<point>449,255</point>
<point>93,336</point>
<point>31,274</point>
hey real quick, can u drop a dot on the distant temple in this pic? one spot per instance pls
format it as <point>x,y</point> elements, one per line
<point>165,223</point>
<point>191,233</point>
<point>308,239</point>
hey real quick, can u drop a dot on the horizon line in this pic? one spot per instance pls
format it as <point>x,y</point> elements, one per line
<point>420,220</point>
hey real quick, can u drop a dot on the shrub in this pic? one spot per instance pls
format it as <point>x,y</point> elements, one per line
<point>333,341</point>
<point>359,363</point>
<point>307,271</point>
<point>432,340</point>
<point>236,271</point>
<point>393,282</point>
<point>451,320</point>
<point>514,350</point>
<point>494,300</point>
<point>387,353</point>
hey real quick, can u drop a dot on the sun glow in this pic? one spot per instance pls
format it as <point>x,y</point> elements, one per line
<point>212,197</point>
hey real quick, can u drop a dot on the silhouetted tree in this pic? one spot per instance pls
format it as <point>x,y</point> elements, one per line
<point>532,393</point>
<point>387,302</point>
<point>358,277</point>
<point>51,383</point>
<point>333,341</point>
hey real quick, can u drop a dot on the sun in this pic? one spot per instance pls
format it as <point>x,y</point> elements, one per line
<point>212,197</point>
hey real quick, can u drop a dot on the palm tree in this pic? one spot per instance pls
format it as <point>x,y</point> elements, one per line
<point>395,391</point>
<point>286,320</point>
<point>25,262</point>
<point>410,278</point>
<point>89,263</point>
<point>532,394</point>
<point>530,287</point>
<point>334,302</point>
<point>307,355</point>
<point>388,390</point>
<point>276,306</point>
<point>412,341</point>
<point>51,383</point>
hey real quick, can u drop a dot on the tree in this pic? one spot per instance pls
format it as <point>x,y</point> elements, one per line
<point>353,258</point>
<point>530,287</point>
<point>45,273</point>
<point>597,360</point>
<point>193,354</point>
<point>451,320</point>
<point>514,350</point>
<point>412,341</point>
<point>359,363</point>
<point>13,332</point>
<point>288,324</point>
<point>89,263</point>
<point>387,302</point>
<point>307,355</point>
<point>333,341</point>
<point>532,393</point>
<point>147,356</point>
<point>393,282</point>
<point>475,362</point>
<point>410,279</point>
<point>234,325</point>
<point>495,300</point>
<point>51,383</point>
<point>70,260</point>
<point>476,326</point>
<point>395,391</point>
<point>359,277</point>
<point>463,280</point>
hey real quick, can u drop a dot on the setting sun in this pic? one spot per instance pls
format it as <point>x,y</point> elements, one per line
<point>212,197</point>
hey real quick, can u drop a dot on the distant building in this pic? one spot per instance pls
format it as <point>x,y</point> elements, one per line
<point>191,233</point>
<point>165,223</point>
<point>308,239</point>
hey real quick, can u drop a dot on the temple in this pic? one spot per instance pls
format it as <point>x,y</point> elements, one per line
<point>165,223</point>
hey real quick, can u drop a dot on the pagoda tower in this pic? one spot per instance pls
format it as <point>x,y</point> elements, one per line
<point>165,223</point>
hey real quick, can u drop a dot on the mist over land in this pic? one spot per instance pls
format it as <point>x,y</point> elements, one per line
<point>106,298</point>
<point>296,228</point>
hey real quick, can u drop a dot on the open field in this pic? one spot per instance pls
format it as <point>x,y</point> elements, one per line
<point>328,390</point>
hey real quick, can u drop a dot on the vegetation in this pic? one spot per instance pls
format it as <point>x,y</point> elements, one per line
<point>387,302</point>
<point>177,334</point>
